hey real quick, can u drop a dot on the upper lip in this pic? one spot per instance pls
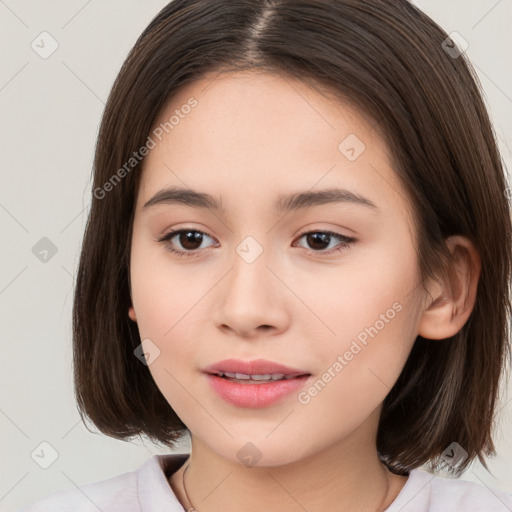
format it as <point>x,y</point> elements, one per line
<point>255,367</point>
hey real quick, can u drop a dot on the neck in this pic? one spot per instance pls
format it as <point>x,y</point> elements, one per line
<point>337,478</point>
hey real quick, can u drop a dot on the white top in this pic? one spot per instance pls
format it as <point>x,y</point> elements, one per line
<point>147,489</point>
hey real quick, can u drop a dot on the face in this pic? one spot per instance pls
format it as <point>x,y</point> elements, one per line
<point>327,287</point>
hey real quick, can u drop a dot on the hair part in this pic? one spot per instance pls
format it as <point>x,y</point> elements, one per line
<point>385,58</point>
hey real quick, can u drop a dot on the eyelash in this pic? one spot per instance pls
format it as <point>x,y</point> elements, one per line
<point>345,242</point>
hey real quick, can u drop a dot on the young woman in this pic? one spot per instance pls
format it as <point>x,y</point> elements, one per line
<point>299,253</point>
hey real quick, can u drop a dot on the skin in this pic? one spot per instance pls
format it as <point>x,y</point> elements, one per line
<point>251,138</point>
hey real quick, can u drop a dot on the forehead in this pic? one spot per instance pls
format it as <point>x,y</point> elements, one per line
<point>253,136</point>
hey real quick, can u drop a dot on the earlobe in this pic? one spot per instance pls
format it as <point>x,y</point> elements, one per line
<point>453,301</point>
<point>131,313</point>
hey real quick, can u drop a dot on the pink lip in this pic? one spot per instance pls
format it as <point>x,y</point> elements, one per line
<point>254,395</point>
<point>255,367</point>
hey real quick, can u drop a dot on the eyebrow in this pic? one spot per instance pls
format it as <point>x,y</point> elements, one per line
<point>296,201</point>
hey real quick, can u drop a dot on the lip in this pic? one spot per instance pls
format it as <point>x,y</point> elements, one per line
<point>255,367</point>
<point>255,395</point>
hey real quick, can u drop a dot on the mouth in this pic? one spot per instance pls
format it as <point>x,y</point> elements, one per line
<point>257,370</point>
<point>255,390</point>
<point>257,383</point>
<point>244,378</point>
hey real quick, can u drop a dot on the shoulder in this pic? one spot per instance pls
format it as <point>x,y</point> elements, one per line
<point>146,488</point>
<point>468,496</point>
<point>425,492</point>
<point>113,495</point>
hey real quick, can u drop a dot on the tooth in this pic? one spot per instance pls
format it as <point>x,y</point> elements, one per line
<point>259,377</point>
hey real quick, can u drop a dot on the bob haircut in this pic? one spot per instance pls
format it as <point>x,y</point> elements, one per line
<point>387,59</point>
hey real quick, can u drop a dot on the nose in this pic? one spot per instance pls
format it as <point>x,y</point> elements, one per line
<point>251,300</point>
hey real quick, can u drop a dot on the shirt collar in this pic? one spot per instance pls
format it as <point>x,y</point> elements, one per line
<point>154,490</point>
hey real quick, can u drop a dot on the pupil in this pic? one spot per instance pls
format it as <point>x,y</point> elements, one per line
<point>190,236</point>
<point>316,237</point>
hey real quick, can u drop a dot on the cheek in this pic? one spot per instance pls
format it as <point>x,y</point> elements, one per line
<point>366,314</point>
<point>354,294</point>
<point>172,307</point>
<point>163,293</point>
<point>167,304</point>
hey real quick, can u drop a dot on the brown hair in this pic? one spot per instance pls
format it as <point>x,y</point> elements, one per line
<point>387,59</point>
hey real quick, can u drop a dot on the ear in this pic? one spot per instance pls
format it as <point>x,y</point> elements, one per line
<point>451,303</point>
<point>131,313</point>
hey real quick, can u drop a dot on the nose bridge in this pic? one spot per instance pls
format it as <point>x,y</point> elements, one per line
<point>249,297</point>
<point>250,274</point>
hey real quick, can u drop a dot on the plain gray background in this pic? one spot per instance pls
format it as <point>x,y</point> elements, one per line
<point>51,109</point>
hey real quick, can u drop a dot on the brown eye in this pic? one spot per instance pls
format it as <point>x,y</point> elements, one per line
<point>189,239</point>
<point>320,240</point>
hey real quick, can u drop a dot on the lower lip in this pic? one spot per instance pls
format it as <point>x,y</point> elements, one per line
<point>254,394</point>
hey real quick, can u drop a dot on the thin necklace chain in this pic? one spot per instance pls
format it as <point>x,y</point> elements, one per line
<point>193,509</point>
